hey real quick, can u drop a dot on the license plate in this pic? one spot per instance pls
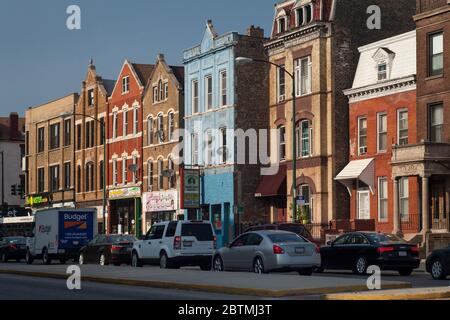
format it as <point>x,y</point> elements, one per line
<point>187,244</point>
<point>300,250</point>
<point>403,254</point>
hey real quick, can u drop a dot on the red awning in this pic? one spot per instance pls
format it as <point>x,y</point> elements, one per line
<point>273,186</point>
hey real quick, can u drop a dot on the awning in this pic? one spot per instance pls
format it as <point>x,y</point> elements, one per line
<point>274,185</point>
<point>362,170</point>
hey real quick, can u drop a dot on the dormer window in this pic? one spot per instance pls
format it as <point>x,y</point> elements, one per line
<point>304,15</point>
<point>281,25</point>
<point>382,71</point>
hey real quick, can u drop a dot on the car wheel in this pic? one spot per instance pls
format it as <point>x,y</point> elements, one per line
<point>437,270</point>
<point>258,266</point>
<point>361,266</point>
<point>218,264</point>
<point>305,272</point>
<point>28,257</point>
<point>45,257</point>
<point>4,257</point>
<point>81,259</point>
<point>102,260</point>
<point>135,262</point>
<point>164,261</point>
<point>405,272</point>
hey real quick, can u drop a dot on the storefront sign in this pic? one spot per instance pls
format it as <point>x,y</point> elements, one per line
<point>191,189</point>
<point>161,201</point>
<point>15,213</point>
<point>125,193</point>
<point>38,200</point>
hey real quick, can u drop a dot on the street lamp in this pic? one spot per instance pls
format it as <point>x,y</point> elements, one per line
<point>246,60</point>
<point>70,114</point>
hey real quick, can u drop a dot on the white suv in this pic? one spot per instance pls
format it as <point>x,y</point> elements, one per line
<point>176,244</point>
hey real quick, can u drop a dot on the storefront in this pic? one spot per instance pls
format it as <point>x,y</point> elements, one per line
<point>16,222</point>
<point>159,207</point>
<point>124,211</point>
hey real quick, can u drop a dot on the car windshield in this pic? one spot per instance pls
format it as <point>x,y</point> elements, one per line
<point>121,239</point>
<point>201,231</point>
<point>382,238</point>
<point>18,240</point>
<point>285,237</point>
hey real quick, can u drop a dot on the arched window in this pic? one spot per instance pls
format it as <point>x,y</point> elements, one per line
<point>161,91</point>
<point>307,206</point>
<point>304,138</point>
<point>282,141</point>
<point>150,130</point>
<point>89,177</point>
<point>124,170</point>
<point>171,125</point>
<point>160,174</point>
<point>150,174</point>
<point>172,177</point>
<point>160,128</point>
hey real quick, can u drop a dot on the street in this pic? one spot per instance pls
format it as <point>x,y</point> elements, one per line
<point>35,288</point>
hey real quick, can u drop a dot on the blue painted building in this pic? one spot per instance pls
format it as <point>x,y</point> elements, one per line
<point>214,86</point>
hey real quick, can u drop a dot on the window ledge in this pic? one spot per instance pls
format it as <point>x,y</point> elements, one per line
<point>439,76</point>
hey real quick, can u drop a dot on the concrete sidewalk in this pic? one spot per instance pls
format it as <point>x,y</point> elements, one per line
<point>250,284</point>
<point>403,294</point>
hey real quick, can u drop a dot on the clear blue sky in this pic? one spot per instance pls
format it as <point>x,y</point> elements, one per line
<point>40,59</point>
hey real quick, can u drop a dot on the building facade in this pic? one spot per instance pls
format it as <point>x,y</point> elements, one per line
<point>12,151</point>
<point>383,116</point>
<point>90,125</point>
<point>124,149</point>
<point>163,115</point>
<point>50,154</point>
<point>317,43</point>
<point>428,161</point>
<point>222,97</point>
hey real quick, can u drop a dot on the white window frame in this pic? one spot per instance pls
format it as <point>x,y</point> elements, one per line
<point>299,90</point>
<point>160,127</point>
<point>135,120</point>
<point>209,92</point>
<point>125,122</point>
<point>150,130</point>
<point>281,97</point>
<point>209,149</point>
<point>279,21</point>
<point>160,174</point>
<point>150,175</point>
<point>282,142</point>
<point>301,153</point>
<point>135,162</point>
<point>385,73</point>
<point>195,96</point>
<point>124,171</point>
<point>383,198</point>
<point>125,84</point>
<point>115,172</point>
<point>171,124</point>
<point>403,193</point>
<point>399,138</point>
<point>360,152</point>
<point>115,125</point>
<point>223,88</point>
<point>381,115</point>
<point>223,146</point>
<point>195,159</point>
<point>435,126</point>
<point>166,90</point>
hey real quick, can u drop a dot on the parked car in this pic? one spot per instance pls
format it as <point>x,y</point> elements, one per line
<point>176,244</point>
<point>268,250</point>
<point>296,228</point>
<point>358,250</point>
<point>438,263</point>
<point>108,249</point>
<point>13,248</point>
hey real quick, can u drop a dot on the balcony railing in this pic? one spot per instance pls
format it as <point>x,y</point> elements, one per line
<point>439,224</point>
<point>411,223</point>
<point>420,152</point>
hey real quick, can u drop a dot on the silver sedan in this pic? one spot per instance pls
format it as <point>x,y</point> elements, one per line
<point>266,251</point>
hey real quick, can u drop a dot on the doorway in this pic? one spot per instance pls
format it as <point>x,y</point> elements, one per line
<point>364,205</point>
<point>438,206</point>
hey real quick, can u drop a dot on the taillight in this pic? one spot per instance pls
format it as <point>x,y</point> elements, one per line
<point>277,249</point>
<point>116,248</point>
<point>385,249</point>
<point>177,243</point>
<point>317,249</point>
<point>215,242</point>
<point>13,246</point>
<point>415,249</point>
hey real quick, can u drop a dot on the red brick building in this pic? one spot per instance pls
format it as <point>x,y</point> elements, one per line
<point>124,134</point>
<point>383,115</point>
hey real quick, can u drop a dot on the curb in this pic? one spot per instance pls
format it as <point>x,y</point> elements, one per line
<point>207,288</point>
<point>421,295</point>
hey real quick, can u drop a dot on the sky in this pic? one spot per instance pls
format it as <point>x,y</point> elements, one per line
<point>42,60</point>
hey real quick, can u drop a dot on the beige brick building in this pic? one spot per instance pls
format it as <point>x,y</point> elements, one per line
<point>163,114</point>
<point>50,154</point>
<point>90,113</point>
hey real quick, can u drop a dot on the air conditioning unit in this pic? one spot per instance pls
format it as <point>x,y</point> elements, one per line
<point>362,150</point>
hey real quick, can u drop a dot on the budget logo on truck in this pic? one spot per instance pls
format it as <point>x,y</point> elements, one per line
<point>75,229</point>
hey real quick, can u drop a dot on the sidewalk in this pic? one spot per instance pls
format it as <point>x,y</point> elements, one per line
<point>403,294</point>
<point>250,284</point>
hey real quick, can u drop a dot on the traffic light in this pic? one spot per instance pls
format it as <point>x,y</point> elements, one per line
<point>20,190</point>
<point>14,190</point>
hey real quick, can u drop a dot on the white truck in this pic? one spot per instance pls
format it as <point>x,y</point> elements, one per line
<point>59,234</point>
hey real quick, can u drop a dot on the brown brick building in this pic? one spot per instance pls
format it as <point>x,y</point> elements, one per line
<point>429,159</point>
<point>50,153</point>
<point>318,43</point>
<point>90,113</point>
<point>163,108</point>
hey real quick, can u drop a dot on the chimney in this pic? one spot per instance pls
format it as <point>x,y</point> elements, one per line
<point>160,57</point>
<point>256,32</point>
<point>13,126</point>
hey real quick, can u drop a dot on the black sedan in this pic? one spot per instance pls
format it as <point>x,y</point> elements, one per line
<point>12,248</point>
<point>108,249</point>
<point>438,263</point>
<point>359,250</point>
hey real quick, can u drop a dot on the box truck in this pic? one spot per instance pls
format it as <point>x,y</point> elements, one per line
<point>59,234</point>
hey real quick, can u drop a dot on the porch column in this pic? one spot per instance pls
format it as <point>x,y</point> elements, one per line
<point>397,225</point>
<point>425,205</point>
